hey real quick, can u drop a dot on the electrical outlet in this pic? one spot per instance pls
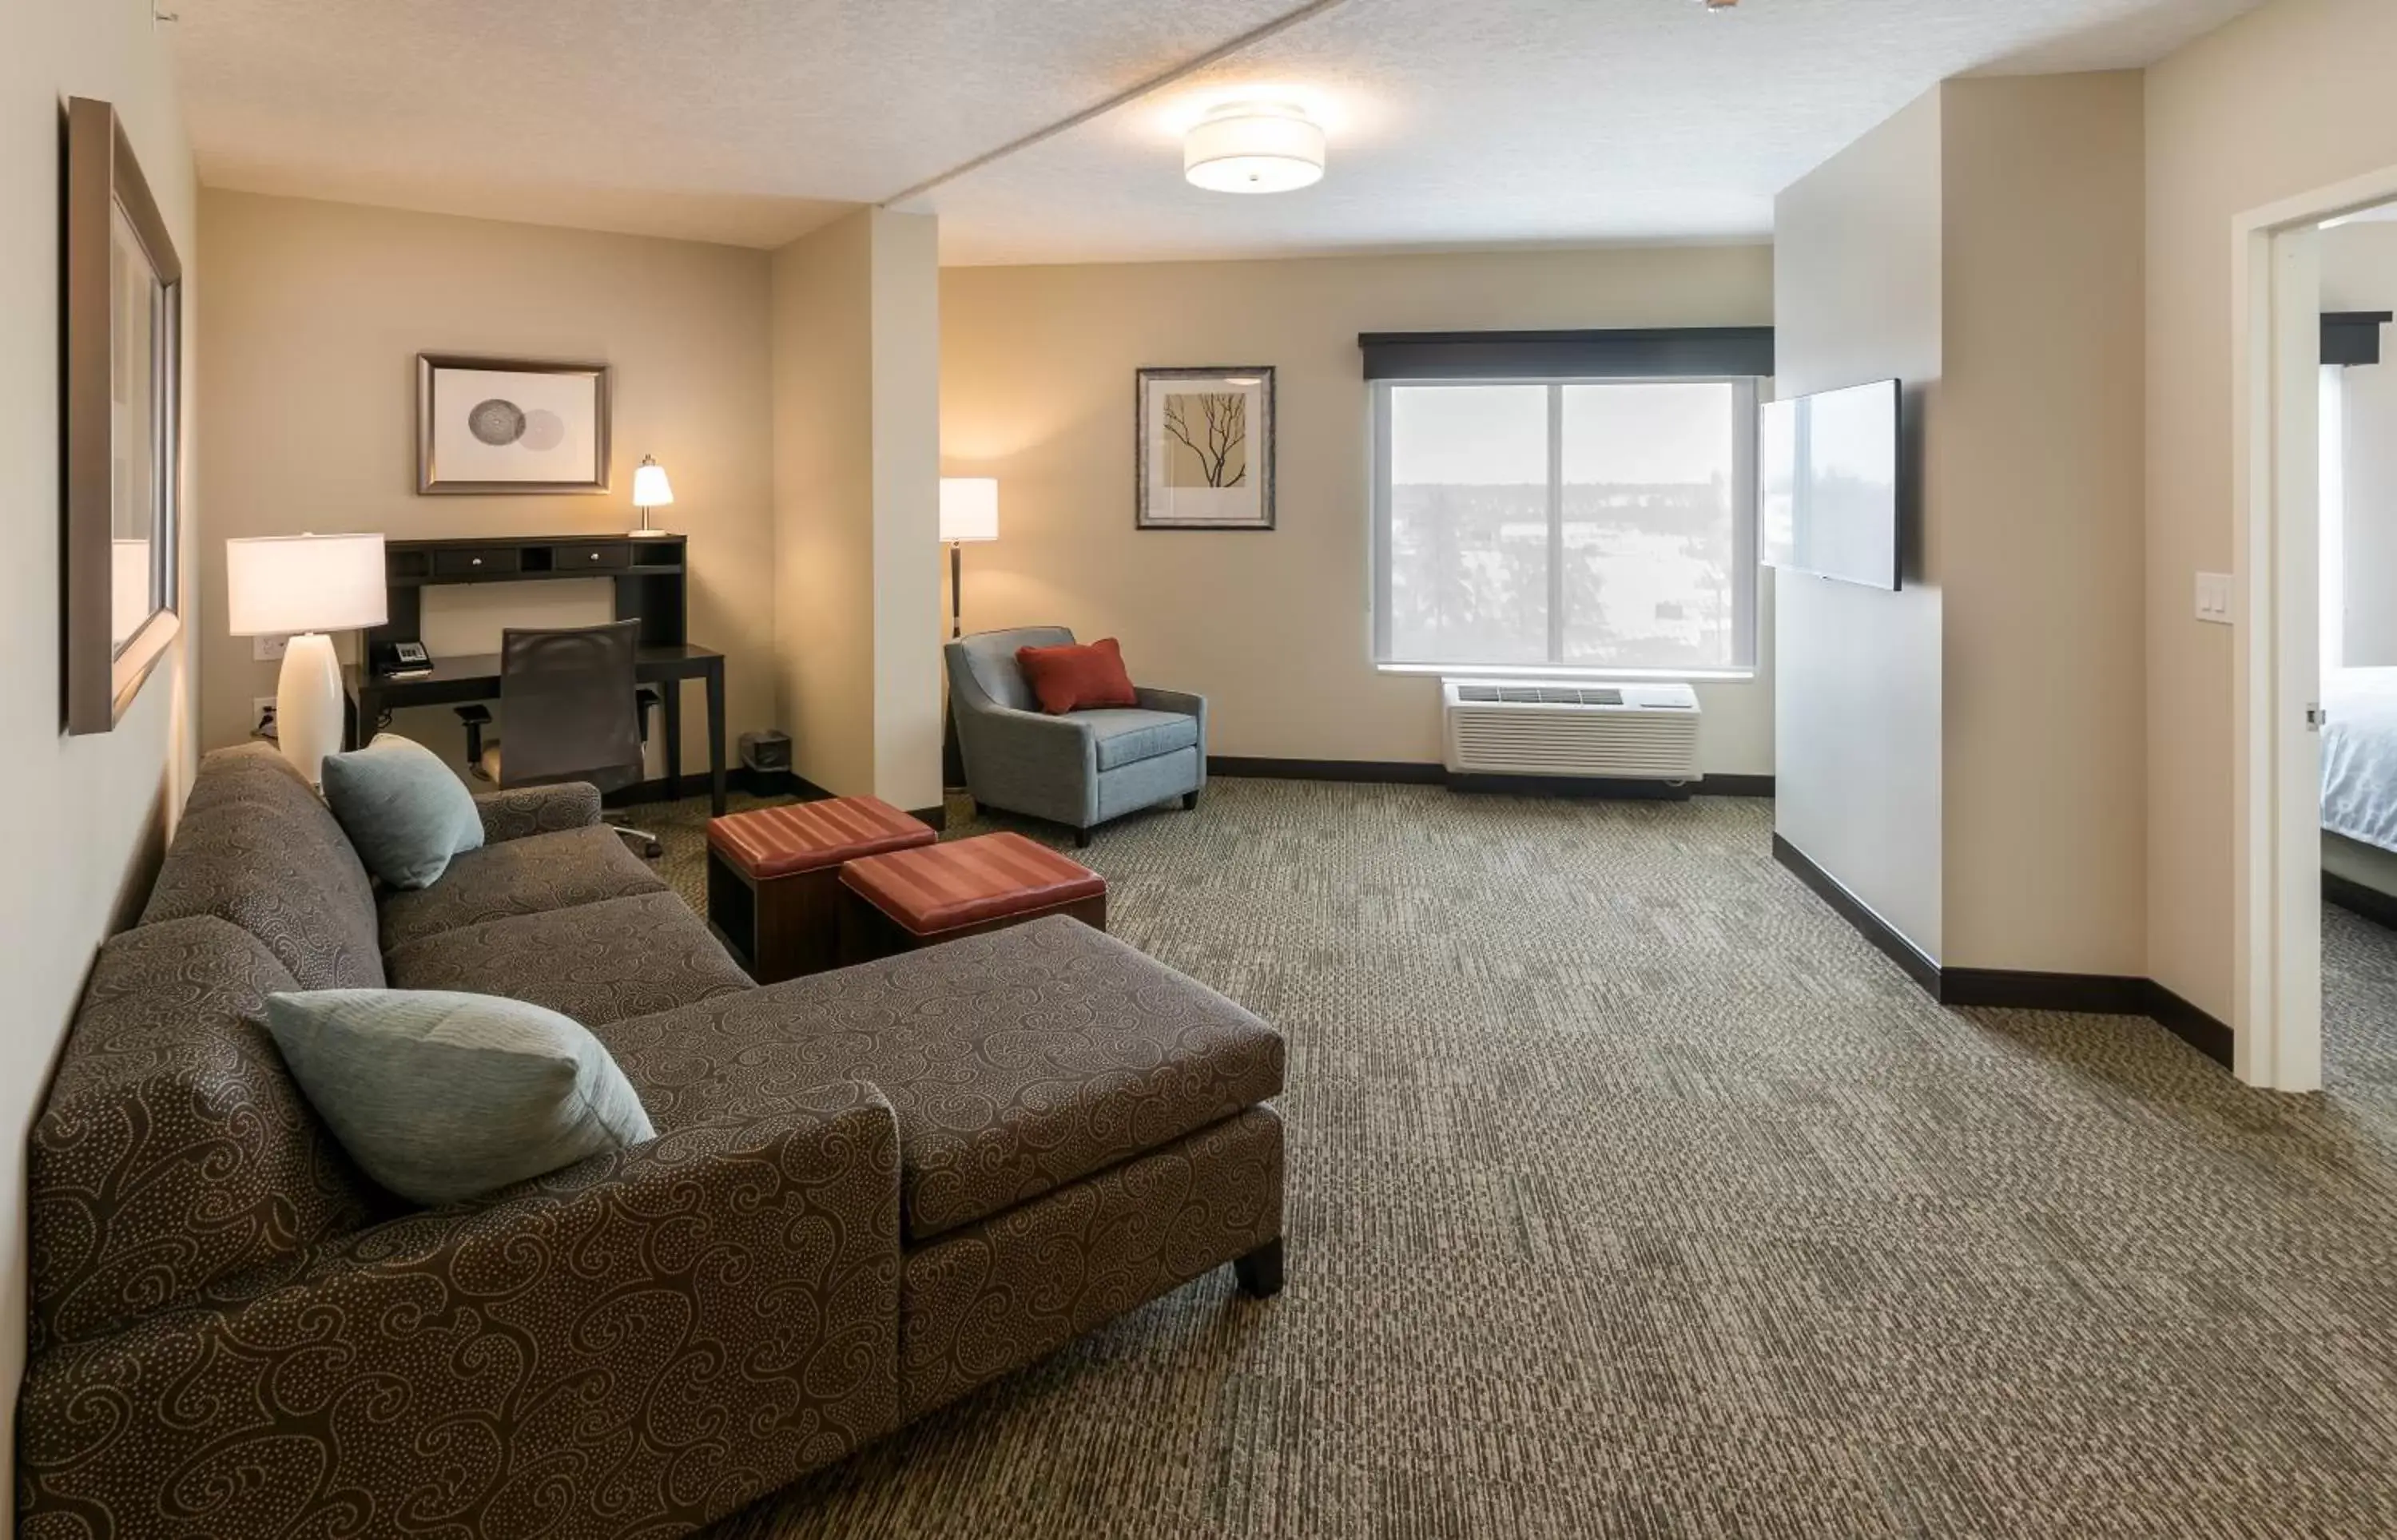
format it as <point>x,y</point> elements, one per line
<point>262,717</point>
<point>268,649</point>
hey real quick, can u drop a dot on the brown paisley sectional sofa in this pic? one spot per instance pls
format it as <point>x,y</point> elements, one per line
<point>870,1191</point>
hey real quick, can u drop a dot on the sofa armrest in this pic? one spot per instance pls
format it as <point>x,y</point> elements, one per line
<point>524,810</point>
<point>639,1343</point>
<point>1028,762</point>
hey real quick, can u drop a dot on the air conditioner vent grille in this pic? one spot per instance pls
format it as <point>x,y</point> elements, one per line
<point>1538,695</point>
<point>1640,732</point>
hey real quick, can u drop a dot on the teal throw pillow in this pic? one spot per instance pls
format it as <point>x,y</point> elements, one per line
<point>443,1097</point>
<point>403,808</point>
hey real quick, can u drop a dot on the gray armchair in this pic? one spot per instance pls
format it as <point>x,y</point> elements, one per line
<point>1080,769</point>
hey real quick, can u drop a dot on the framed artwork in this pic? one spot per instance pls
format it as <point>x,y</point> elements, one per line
<point>123,480</point>
<point>495,425</point>
<point>1205,448</point>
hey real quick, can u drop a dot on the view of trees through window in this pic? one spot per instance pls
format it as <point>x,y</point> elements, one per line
<point>1587,524</point>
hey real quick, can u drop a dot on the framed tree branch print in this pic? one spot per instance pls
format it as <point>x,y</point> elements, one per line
<point>1205,448</point>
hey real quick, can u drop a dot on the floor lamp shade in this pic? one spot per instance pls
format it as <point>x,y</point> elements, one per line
<point>968,509</point>
<point>304,586</point>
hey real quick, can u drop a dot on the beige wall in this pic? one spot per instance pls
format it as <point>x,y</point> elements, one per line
<point>1036,369</point>
<point>315,334</point>
<point>87,813</point>
<point>856,487</point>
<point>1966,755</point>
<point>2291,98</point>
<point>2358,265</point>
<point>1859,297</point>
<point>2036,497</point>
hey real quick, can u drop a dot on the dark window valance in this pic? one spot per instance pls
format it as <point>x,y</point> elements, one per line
<point>1635,353</point>
<point>2353,336</point>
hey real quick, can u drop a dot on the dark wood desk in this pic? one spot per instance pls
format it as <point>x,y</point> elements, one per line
<point>475,676</point>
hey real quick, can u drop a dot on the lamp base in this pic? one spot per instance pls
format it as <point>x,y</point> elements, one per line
<point>645,533</point>
<point>308,702</point>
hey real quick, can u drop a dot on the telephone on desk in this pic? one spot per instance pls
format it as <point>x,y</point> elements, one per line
<point>402,659</point>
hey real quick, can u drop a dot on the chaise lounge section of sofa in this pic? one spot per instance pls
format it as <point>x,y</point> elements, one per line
<point>870,1191</point>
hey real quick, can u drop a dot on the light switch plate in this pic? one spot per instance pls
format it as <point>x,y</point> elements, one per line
<point>269,649</point>
<point>2214,597</point>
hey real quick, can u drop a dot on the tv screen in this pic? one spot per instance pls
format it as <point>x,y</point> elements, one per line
<point>1828,485</point>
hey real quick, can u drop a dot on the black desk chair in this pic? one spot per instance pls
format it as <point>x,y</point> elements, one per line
<point>573,713</point>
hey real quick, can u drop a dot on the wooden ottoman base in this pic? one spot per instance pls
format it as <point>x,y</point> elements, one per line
<point>780,928</point>
<point>866,933</point>
<point>773,878</point>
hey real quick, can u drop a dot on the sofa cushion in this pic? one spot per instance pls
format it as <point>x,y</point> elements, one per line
<point>256,847</point>
<point>1018,1060</point>
<point>527,876</point>
<point>445,1096</point>
<point>595,963</point>
<point>402,808</point>
<point>1127,736</point>
<point>174,1149</point>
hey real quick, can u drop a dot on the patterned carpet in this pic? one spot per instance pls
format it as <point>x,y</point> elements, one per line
<point>1632,1194</point>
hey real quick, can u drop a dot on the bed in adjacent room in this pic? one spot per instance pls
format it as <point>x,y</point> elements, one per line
<point>2359,807</point>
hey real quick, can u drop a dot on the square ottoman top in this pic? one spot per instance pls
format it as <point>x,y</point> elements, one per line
<point>779,841</point>
<point>942,887</point>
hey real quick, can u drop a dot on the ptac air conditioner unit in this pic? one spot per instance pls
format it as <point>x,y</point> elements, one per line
<point>1635,732</point>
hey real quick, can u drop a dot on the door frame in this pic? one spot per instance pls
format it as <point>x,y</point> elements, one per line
<point>2275,529</point>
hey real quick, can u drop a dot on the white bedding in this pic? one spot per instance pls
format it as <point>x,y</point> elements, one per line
<point>2360,755</point>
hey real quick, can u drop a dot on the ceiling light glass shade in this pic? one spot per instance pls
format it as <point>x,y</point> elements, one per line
<point>651,488</point>
<point>1255,147</point>
<point>279,585</point>
<point>969,508</point>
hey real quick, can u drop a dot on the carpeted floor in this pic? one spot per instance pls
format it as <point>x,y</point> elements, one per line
<point>1632,1194</point>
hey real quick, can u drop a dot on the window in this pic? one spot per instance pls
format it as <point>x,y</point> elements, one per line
<point>1601,524</point>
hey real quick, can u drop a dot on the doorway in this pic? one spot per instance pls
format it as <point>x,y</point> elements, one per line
<point>2305,701</point>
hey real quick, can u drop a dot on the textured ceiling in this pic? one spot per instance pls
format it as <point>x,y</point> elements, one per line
<point>1453,122</point>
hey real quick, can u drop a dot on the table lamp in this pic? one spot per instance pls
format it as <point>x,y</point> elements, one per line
<point>651,489</point>
<point>969,511</point>
<point>303,586</point>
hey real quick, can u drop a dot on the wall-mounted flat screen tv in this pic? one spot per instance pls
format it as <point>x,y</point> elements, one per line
<point>1827,482</point>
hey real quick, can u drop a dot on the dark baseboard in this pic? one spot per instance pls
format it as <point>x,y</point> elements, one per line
<point>1412,773</point>
<point>2006,988</point>
<point>1370,772</point>
<point>1871,927</point>
<point>741,777</point>
<point>937,816</point>
<point>2354,897</point>
<point>2188,1023</point>
<point>2092,994</point>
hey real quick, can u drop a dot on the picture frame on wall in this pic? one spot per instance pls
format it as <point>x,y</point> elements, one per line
<point>1205,447</point>
<point>123,347</point>
<point>488,426</point>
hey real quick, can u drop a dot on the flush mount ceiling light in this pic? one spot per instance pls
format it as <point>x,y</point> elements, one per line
<point>1254,147</point>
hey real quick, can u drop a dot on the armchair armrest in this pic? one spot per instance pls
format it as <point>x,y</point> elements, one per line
<point>514,814</point>
<point>1026,761</point>
<point>1185,704</point>
<point>639,1343</point>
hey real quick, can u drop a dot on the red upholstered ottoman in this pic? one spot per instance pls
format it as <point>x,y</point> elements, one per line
<point>937,893</point>
<point>773,878</point>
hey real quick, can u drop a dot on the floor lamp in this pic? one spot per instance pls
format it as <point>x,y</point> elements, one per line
<point>969,511</point>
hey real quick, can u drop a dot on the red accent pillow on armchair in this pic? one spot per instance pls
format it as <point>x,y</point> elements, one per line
<point>1076,678</point>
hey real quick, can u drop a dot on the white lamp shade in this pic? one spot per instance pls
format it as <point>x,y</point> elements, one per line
<point>969,508</point>
<point>1254,147</point>
<point>651,488</point>
<point>280,585</point>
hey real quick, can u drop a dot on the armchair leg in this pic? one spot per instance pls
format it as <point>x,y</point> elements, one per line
<point>1260,1271</point>
<point>1190,800</point>
<point>1081,839</point>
